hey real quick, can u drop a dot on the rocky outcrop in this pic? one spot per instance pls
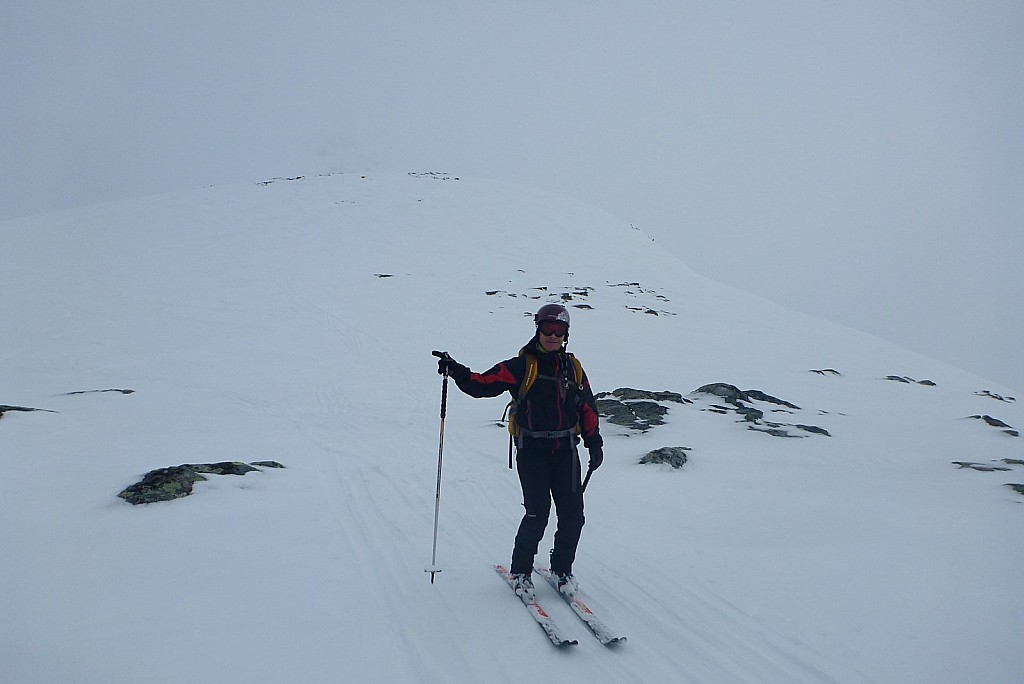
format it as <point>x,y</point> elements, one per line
<point>996,423</point>
<point>741,402</point>
<point>4,409</point>
<point>175,482</point>
<point>673,456</point>
<point>635,409</point>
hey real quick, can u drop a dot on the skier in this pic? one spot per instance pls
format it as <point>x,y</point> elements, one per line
<point>555,413</point>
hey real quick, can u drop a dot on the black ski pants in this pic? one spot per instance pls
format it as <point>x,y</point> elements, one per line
<point>545,476</point>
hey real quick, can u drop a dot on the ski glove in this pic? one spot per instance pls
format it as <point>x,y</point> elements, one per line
<point>447,365</point>
<point>596,457</point>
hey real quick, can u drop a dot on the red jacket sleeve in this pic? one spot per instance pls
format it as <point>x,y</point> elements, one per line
<point>503,377</point>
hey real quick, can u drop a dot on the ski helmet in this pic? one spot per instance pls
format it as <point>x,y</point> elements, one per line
<point>552,312</point>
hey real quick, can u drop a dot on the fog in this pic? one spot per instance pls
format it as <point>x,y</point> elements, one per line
<point>857,161</point>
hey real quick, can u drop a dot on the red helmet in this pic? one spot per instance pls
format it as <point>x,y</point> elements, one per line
<point>552,312</point>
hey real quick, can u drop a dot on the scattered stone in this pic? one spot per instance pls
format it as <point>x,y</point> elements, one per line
<point>996,423</point>
<point>435,175</point>
<point>992,395</point>
<point>730,393</point>
<point>630,394</point>
<point>635,415</point>
<point>175,482</point>
<point>758,395</point>
<point>814,429</point>
<point>636,409</point>
<point>120,391</point>
<point>981,467</point>
<point>738,403</point>
<point>4,409</point>
<point>909,380</point>
<point>775,431</point>
<point>673,456</point>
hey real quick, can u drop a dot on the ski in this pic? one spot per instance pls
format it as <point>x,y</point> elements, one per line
<point>539,614</point>
<point>598,628</point>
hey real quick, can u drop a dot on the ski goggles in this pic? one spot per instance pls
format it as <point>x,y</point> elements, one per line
<point>553,329</point>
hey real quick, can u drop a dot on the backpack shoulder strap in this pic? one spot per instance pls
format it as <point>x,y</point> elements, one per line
<point>529,376</point>
<point>578,368</point>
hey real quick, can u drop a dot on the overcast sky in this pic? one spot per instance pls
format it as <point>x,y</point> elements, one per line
<point>861,161</point>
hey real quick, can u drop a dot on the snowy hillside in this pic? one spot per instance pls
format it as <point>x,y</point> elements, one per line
<point>292,321</point>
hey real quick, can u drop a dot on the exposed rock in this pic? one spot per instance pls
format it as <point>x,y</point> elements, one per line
<point>673,456</point>
<point>119,391</point>
<point>908,380</point>
<point>635,415</point>
<point>175,482</point>
<point>979,466</point>
<point>814,429</point>
<point>730,393</point>
<point>629,394</point>
<point>4,409</point>
<point>992,395</point>
<point>774,430</point>
<point>996,423</point>
<point>1019,488</point>
<point>738,401</point>
<point>827,371</point>
<point>758,395</point>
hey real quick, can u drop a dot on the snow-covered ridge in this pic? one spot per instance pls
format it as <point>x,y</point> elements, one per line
<point>292,322</point>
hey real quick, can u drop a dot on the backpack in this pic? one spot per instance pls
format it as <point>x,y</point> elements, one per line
<point>514,430</point>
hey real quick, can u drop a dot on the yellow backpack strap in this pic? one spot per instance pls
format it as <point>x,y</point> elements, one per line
<point>529,376</point>
<point>578,367</point>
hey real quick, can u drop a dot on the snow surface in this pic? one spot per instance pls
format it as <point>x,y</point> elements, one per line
<point>253,323</point>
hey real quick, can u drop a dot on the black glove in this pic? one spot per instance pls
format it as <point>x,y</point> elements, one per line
<point>446,365</point>
<point>596,457</point>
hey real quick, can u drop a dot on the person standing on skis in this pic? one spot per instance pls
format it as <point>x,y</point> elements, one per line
<point>556,412</point>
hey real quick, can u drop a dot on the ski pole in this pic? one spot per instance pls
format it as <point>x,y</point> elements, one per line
<point>433,569</point>
<point>590,471</point>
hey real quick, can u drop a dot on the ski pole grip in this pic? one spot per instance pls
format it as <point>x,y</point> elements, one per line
<point>444,382</point>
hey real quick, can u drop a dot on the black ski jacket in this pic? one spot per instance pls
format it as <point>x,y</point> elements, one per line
<point>554,403</point>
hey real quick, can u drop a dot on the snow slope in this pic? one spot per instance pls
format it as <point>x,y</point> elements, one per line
<point>293,321</point>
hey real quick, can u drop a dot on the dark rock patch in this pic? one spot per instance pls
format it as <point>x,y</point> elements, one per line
<point>119,391</point>
<point>630,394</point>
<point>826,371</point>
<point>636,409</point>
<point>982,467</point>
<point>175,482</point>
<point>1019,488</point>
<point>908,380</point>
<point>996,423</point>
<point>993,395</point>
<point>635,415</point>
<point>739,402</point>
<point>673,456</point>
<point>4,409</point>
<point>814,429</point>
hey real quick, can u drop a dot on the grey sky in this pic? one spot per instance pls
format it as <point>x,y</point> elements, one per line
<point>861,161</point>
